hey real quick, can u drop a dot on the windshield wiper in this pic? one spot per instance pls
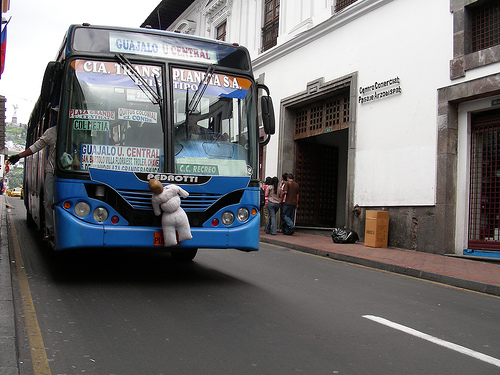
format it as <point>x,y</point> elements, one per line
<point>195,100</point>
<point>153,96</point>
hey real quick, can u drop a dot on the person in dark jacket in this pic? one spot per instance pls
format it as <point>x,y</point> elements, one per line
<point>291,200</point>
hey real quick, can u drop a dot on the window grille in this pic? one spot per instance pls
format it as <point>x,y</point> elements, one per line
<point>322,117</point>
<point>300,123</point>
<point>485,26</point>
<point>316,119</point>
<point>484,199</point>
<point>341,4</point>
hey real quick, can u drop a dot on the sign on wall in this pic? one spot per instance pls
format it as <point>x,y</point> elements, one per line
<point>379,90</point>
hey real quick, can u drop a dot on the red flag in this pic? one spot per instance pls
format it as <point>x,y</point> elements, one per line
<point>3,46</point>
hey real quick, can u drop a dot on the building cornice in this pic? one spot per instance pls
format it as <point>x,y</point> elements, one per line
<point>352,13</point>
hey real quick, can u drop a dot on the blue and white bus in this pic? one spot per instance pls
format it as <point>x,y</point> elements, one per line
<point>136,104</point>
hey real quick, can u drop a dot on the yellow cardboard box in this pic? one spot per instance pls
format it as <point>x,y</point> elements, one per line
<point>376,228</point>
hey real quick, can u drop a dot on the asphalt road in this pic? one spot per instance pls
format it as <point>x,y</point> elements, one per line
<point>274,311</point>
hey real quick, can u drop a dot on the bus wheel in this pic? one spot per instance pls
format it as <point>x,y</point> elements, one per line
<point>186,255</point>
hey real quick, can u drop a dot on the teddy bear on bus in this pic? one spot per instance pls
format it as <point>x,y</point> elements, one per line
<point>166,202</point>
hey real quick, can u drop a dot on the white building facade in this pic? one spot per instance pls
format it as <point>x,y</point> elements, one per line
<point>380,104</point>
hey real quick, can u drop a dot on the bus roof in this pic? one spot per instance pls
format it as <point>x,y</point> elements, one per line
<point>151,43</point>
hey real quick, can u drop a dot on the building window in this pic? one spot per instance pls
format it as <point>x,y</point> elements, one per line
<point>271,23</point>
<point>476,35</point>
<point>221,32</point>
<point>186,27</point>
<point>485,26</point>
<point>341,4</point>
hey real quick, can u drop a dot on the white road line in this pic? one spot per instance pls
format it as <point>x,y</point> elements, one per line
<point>435,340</point>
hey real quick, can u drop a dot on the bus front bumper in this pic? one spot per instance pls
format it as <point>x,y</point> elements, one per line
<point>73,233</point>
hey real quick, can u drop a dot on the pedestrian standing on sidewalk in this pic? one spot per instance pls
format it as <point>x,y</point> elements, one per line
<point>273,204</point>
<point>264,210</point>
<point>284,178</point>
<point>291,194</point>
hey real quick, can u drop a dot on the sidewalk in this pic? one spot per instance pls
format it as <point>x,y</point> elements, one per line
<point>477,275</point>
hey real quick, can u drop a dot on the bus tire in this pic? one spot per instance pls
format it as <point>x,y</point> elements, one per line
<point>186,255</point>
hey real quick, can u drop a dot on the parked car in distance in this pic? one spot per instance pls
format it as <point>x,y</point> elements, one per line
<point>16,192</point>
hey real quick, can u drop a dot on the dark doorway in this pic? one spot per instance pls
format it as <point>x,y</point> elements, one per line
<point>317,174</point>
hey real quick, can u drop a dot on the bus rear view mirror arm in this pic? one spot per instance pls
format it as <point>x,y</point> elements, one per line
<point>50,78</point>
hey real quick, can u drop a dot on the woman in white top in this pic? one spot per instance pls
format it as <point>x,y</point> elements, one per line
<point>273,204</point>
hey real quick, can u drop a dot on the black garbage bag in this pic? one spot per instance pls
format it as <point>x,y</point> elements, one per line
<point>341,235</point>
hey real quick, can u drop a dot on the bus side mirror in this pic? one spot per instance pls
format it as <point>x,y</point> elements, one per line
<point>51,76</point>
<point>267,111</point>
<point>267,108</point>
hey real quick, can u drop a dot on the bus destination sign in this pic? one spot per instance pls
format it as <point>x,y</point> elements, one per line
<point>149,45</point>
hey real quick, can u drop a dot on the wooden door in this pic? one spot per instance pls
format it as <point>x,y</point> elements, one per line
<point>316,173</point>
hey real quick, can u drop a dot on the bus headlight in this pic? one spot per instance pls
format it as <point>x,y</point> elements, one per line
<point>227,218</point>
<point>242,214</point>
<point>82,209</point>
<point>100,214</point>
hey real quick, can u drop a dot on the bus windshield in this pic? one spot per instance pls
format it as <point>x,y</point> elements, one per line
<point>211,114</point>
<point>115,122</point>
